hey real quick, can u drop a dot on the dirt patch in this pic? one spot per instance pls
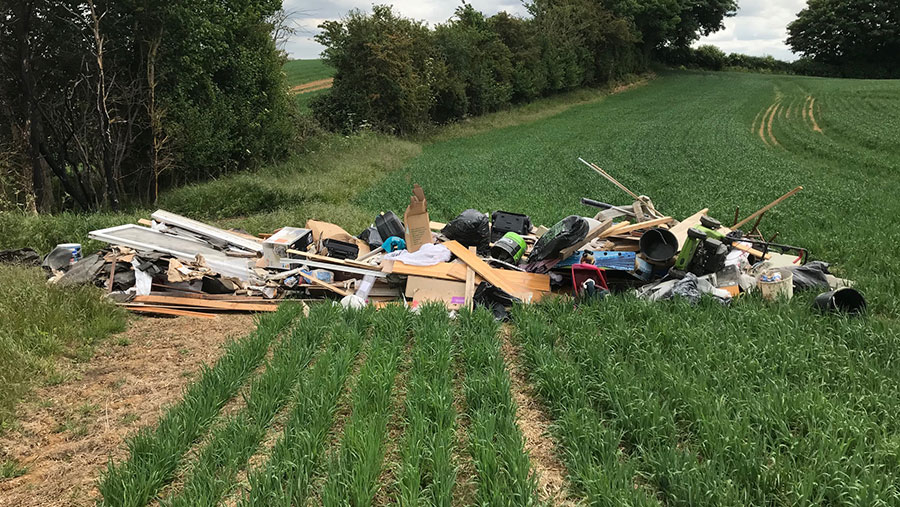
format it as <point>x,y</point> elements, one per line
<point>68,432</point>
<point>534,423</point>
<point>313,86</point>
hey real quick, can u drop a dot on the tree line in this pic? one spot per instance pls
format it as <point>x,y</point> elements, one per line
<point>399,75</point>
<point>105,102</point>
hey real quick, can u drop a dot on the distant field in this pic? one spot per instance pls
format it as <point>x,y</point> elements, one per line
<point>307,79</point>
<point>300,72</point>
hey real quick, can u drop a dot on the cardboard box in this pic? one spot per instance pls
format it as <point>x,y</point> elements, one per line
<point>418,230</point>
<point>422,289</point>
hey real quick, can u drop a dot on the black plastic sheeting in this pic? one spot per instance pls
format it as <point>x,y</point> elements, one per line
<point>471,228</point>
<point>567,232</point>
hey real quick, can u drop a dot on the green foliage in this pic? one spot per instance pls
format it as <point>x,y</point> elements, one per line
<point>396,75</point>
<point>848,38</point>
<point>41,323</point>
<point>673,22</point>
<point>383,72</point>
<point>121,98</point>
<point>155,453</point>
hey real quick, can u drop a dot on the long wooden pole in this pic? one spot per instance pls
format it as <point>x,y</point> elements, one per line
<point>769,206</point>
<point>612,180</point>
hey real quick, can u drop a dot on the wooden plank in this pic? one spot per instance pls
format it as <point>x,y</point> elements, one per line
<point>457,271</point>
<point>320,283</point>
<point>680,230</point>
<point>168,311</point>
<point>750,250</point>
<point>331,260</point>
<point>206,303</point>
<point>481,267</point>
<point>633,227</point>
<point>766,208</point>
<point>436,226</point>
<point>470,284</point>
<point>614,228</point>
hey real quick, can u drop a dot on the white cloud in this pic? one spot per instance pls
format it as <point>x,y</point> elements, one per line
<point>759,28</point>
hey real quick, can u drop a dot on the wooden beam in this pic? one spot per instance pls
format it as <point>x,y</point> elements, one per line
<point>205,303</point>
<point>766,208</point>
<point>481,267</point>
<point>168,311</point>
<point>633,227</point>
<point>470,284</point>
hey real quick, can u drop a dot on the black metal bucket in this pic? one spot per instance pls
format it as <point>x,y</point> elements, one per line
<point>659,245</point>
<point>845,300</point>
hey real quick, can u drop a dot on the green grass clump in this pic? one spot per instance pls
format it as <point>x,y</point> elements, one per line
<point>41,323</point>
<point>354,469</point>
<point>427,475</point>
<point>503,469</point>
<point>696,416</point>
<point>154,454</point>
<point>285,478</point>
<point>299,72</point>
<point>234,442</point>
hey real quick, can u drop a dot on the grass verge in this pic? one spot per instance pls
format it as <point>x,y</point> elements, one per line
<point>154,454</point>
<point>41,323</point>
<point>503,469</point>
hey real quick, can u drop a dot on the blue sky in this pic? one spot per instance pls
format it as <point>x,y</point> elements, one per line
<point>758,29</point>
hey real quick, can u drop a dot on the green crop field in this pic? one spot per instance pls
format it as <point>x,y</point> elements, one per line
<point>644,403</point>
<point>300,72</point>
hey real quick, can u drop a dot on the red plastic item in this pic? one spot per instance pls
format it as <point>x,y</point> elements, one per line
<point>584,272</point>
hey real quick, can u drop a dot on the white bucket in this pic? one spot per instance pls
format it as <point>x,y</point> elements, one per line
<point>782,288</point>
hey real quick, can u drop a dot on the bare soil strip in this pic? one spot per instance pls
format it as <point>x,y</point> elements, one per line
<point>553,487</point>
<point>769,125</point>
<point>753,125</point>
<point>762,124</point>
<point>387,482</point>
<point>67,432</point>
<point>313,86</point>
<point>806,108</point>
<point>812,115</point>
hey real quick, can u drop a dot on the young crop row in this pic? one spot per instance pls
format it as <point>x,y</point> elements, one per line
<point>503,469</point>
<point>234,442</point>
<point>286,477</point>
<point>354,468</point>
<point>308,372</point>
<point>427,473</point>
<point>651,404</point>
<point>154,454</point>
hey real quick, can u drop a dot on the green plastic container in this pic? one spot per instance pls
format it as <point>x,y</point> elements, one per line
<point>510,248</point>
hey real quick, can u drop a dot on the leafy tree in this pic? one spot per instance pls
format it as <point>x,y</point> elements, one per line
<point>110,99</point>
<point>384,69</point>
<point>856,37</point>
<point>673,22</point>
